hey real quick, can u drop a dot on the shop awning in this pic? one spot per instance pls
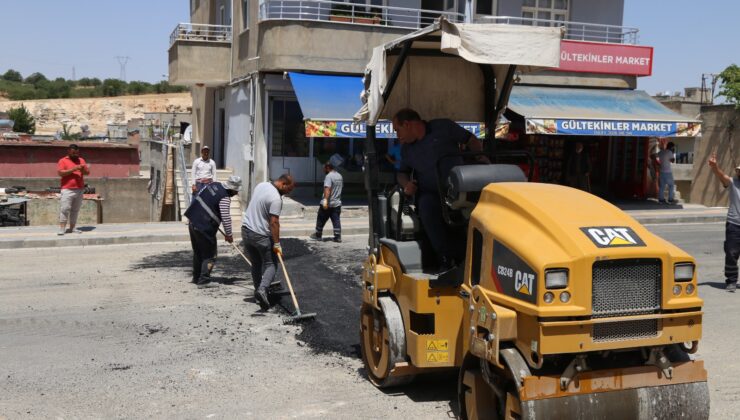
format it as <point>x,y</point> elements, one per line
<point>597,112</point>
<point>325,97</point>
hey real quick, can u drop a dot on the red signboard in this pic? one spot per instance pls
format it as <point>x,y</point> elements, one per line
<point>593,57</point>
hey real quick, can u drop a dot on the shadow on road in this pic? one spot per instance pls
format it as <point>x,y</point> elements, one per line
<point>714,284</point>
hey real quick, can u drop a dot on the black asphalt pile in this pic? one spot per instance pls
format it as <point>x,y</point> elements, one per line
<point>325,278</point>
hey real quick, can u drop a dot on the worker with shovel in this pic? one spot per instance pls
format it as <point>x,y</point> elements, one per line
<point>261,233</point>
<point>210,208</point>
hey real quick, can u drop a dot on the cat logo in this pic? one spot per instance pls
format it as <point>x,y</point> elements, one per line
<point>612,236</point>
<point>523,282</point>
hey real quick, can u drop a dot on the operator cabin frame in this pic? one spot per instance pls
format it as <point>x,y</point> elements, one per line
<point>426,68</point>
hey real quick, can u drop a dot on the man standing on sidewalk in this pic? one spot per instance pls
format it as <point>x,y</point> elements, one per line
<point>72,168</point>
<point>732,226</point>
<point>665,158</point>
<point>331,205</point>
<point>261,233</point>
<point>210,208</point>
<point>204,170</point>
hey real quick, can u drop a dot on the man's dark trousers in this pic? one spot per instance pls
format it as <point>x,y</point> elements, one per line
<point>264,261</point>
<point>204,253</point>
<point>732,251</point>
<point>332,213</point>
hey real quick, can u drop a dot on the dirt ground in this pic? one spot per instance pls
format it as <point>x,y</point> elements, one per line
<point>120,332</point>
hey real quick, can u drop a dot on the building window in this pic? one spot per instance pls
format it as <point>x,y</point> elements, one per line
<point>287,131</point>
<point>545,12</point>
<point>245,14</point>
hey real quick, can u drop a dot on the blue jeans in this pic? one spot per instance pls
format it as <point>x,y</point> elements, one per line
<point>732,251</point>
<point>666,178</point>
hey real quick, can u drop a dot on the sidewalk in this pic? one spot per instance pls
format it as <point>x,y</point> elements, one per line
<point>355,223</point>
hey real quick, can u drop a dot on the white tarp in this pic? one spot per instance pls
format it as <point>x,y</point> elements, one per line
<point>438,87</point>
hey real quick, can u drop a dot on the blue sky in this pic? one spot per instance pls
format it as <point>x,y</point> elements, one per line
<point>52,36</point>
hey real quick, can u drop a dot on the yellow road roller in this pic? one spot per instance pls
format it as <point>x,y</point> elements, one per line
<point>564,307</point>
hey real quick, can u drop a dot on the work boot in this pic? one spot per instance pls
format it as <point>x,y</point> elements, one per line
<point>204,280</point>
<point>338,239</point>
<point>260,295</point>
<point>731,287</point>
<point>315,236</point>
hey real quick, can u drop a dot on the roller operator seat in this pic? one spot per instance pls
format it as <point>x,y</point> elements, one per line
<point>465,183</point>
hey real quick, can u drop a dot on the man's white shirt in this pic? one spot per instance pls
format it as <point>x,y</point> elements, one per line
<point>204,169</point>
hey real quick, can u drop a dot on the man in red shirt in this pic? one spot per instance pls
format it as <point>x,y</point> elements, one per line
<point>71,168</point>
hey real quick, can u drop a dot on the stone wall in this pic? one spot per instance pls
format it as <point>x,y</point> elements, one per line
<point>123,200</point>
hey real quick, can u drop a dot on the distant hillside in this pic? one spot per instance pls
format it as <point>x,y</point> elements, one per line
<point>97,112</point>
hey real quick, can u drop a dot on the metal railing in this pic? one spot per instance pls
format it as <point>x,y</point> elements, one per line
<point>576,31</point>
<point>200,32</point>
<point>358,14</point>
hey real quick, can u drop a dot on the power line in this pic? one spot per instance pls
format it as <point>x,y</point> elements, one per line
<point>122,60</point>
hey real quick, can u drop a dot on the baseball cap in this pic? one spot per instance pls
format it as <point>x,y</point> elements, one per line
<point>205,148</point>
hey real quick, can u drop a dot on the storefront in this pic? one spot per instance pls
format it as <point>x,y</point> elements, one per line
<point>614,126</point>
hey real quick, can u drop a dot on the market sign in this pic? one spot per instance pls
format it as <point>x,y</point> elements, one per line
<point>594,57</point>
<point>383,129</point>
<point>575,127</point>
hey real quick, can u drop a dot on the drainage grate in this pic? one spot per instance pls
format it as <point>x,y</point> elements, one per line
<point>625,330</point>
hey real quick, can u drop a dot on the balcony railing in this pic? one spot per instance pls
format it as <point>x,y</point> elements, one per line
<point>201,32</point>
<point>362,14</point>
<point>576,31</point>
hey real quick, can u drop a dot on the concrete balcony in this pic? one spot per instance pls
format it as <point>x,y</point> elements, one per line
<point>344,13</point>
<point>574,31</point>
<point>200,54</point>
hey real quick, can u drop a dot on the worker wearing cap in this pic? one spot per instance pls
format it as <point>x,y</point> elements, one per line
<point>210,208</point>
<point>732,226</point>
<point>204,170</point>
<point>330,206</point>
<point>261,233</point>
<point>72,168</point>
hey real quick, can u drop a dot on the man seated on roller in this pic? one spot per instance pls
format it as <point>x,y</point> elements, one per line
<point>423,143</point>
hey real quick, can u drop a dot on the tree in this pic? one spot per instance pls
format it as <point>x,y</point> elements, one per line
<point>12,76</point>
<point>113,87</point>
<point>139,88</point>
<point>730,88</point>
<point>35,79</point>
<point>24,121</point>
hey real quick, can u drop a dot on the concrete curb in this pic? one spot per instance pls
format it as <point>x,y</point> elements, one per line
<point>350,227</point>
<point>82,240</point>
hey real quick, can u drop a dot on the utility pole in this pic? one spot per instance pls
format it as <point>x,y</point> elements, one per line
<point>704,77</point>
<point>122,60</point>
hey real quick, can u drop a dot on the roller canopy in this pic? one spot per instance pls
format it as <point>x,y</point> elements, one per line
<point>445,59</point>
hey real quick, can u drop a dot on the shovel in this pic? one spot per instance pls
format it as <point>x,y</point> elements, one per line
<point>297,316</point>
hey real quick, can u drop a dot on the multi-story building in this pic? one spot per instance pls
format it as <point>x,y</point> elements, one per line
<point>261,72</point>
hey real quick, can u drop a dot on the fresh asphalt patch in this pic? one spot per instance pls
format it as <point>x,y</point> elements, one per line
<point>325,277</point>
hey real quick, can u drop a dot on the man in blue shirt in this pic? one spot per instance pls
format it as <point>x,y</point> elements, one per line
<point>423,144</point>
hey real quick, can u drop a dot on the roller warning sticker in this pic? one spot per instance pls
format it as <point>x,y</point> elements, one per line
<point>438,345</point>
<point>438,356</point>
<point>438,351</point>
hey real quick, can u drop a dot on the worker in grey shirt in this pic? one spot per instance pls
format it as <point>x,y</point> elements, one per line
<point>331,203</point>
<point>261,233</point>
<point>732,226</point>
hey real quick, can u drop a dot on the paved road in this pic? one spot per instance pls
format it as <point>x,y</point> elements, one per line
<point>118,332</point>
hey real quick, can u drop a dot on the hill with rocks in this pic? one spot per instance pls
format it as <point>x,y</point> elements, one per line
<point>96,113</point>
